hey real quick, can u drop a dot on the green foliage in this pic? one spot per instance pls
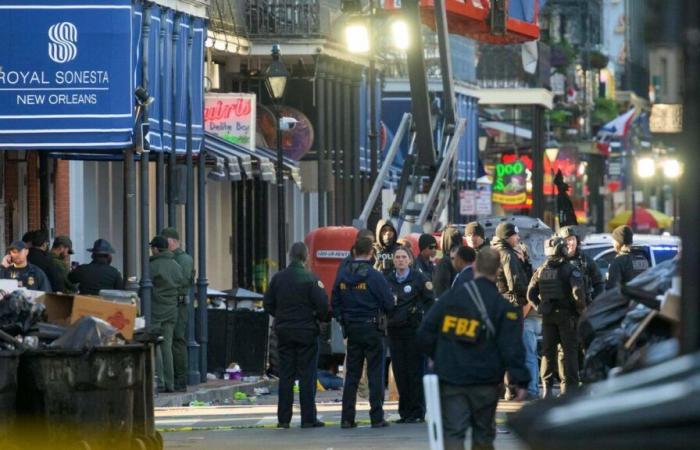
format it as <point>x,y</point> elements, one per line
<point>604,111</point>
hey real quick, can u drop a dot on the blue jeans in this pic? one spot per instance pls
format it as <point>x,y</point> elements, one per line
<point>532,327</point>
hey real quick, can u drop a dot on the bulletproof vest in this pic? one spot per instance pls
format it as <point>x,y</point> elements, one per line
<point>639,264</point>
<point>552,287</point>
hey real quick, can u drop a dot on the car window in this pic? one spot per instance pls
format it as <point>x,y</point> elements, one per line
<point>664,253</point>
<point>604,260</point>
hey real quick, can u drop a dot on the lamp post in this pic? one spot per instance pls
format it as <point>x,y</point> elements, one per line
<point>361,38</point>
<point>276,77</point>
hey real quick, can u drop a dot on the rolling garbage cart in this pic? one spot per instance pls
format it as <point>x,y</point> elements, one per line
<point>100,398</point>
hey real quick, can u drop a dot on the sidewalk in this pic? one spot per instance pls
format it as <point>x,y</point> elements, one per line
<point>214,391</point>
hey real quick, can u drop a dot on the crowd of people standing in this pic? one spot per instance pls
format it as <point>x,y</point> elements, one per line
<point>472,317</point>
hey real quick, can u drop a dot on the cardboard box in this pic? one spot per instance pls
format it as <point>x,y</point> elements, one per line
<point>65,309</point>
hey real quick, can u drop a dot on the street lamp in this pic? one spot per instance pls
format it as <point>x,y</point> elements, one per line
<point>357,37</point>
<point>276,77</point>
<point>673,170</point>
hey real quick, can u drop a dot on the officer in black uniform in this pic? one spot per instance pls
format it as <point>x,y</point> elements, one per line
<point>99,274</point>
<point>474,336</point>
<point>297,300</point>
<point>427,245</point>
<point>463,262</point>
<point>361,300</point>
<point>16,266</point>
<point>557,292</point>
<point>414,295</point>
<point>593,283</point>
<point>625,266</point>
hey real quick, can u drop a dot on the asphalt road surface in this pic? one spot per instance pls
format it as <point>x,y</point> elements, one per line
<point>245,427</point>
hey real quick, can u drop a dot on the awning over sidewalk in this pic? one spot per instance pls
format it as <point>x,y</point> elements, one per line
<point>234,161</point>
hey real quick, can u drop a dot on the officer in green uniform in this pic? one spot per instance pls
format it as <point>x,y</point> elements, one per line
<point>557,292</point>
<point>626,265</point>
<point>180,335</point>
<point>61,250</point>
<point>167,281</point>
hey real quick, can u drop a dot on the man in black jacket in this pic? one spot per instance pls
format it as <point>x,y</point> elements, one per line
<point>99,274</point>
<point>557,291</point>
<point>298,301</point>
<point>513,278</point>
<point>593,282</point>
<point>427,245</point>
<point>361,299</point>
<point>474,336</point>
<point>40,257</point>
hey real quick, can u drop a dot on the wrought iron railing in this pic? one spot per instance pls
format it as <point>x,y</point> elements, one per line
<point>297,18</point>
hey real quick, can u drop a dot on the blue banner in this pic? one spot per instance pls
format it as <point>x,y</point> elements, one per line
<point>66,74</point>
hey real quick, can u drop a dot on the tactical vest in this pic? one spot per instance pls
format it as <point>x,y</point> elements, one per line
<point>552,287</point>
<point>639,264</point>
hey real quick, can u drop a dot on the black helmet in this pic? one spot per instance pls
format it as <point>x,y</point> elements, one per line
<point>555,247</point>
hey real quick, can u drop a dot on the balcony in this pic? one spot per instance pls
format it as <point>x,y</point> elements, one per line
<point>290,18</point>
<point>501,66</point>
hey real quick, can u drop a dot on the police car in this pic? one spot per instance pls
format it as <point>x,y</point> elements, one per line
<point>655,249</point>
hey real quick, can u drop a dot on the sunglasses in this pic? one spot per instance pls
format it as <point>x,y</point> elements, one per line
<point>432,247</point>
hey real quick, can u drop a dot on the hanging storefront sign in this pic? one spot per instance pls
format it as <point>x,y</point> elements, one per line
<point>510,183</point>
<point>666,118</point>
<point>231,117</point>
<point>65,74</point>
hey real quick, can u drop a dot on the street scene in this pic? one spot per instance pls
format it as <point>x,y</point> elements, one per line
<point>349,224</point>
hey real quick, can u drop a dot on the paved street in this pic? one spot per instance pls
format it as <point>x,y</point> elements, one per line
<point>253,427</point>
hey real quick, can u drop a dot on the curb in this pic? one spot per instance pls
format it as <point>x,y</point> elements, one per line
<point>210,395</point>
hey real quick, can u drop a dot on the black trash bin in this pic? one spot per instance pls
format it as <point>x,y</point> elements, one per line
<point>9,360</point>
<point>91,399</point>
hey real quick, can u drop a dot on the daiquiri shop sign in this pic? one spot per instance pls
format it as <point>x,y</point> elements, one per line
<point>66,74</point>
<point>510,183</point>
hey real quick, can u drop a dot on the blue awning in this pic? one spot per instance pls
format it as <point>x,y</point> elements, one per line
<point>235,162</point>
<point>173,65</point>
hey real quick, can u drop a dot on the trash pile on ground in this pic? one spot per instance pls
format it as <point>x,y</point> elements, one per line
<point>74,373</point>
<point>639,394</point>
<point>622,328</point>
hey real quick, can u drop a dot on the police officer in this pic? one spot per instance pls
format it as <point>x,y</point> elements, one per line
<point>39,256</point>
<point>386,243</point>
<point>476,236</point>
<point>183,297</point>
<point>557,292</point>
<point>60,252</point>
<point>16,266</point>
<point>427,245</point>
<point>99,274</point>
<point>167,279</point>
<point>625,266</point>
<point>414,295</point>
<point>474,336</point>
<point>297,300</point>
<point>361,299</point>
<point>592,278</point>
